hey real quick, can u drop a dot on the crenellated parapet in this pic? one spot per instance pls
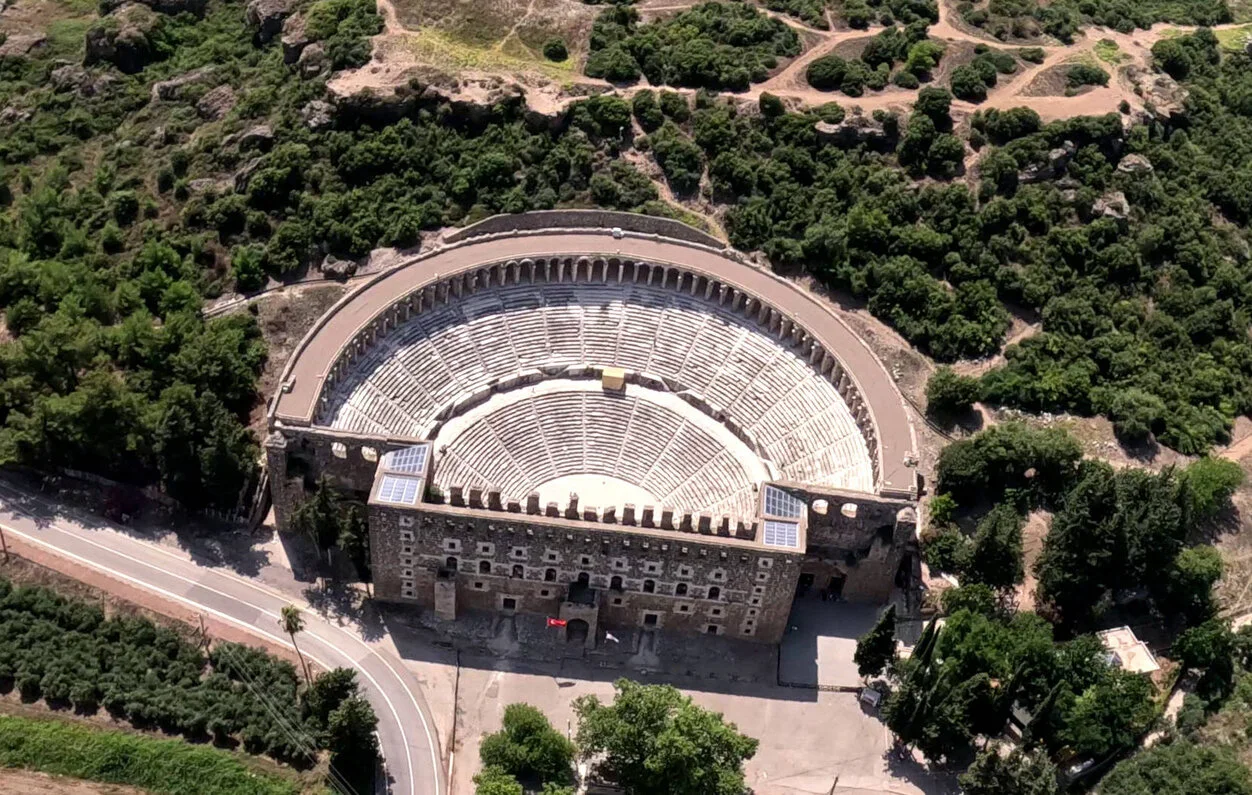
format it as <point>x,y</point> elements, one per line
<point>653,517</point>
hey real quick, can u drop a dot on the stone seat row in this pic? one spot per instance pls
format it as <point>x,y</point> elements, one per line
<point>428,363</point>
<point>528,442</point>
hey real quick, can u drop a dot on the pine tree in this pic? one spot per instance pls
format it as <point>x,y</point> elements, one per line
<point>877,648</point>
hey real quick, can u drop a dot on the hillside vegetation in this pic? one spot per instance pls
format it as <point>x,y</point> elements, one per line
<point>162,767</point>
<point>67,653</point>
<point>129,200</point>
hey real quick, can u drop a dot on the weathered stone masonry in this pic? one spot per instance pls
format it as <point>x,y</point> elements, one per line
<point>611,566</point>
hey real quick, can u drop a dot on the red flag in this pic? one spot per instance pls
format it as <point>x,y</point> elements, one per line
<point>557,622</point>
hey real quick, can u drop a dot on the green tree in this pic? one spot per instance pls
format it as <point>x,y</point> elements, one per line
<point>656,741</point>
<point>1111,715</point>
<point>494,781</point>
<point>1189,588</point>
<point>527,747</point>
<point>1208,484</point>
<point>352,742</point>
<point>326,693</point>
<point>935,103</point>
<point>555,50</point>
<point>826,73</point>
<point>995,558</point>
<point>967,84</point>
<point>949,394</point>
<point>1015,773</point>
<point>1178,769</point>
<point>876,649</point>
<point>293,623</point>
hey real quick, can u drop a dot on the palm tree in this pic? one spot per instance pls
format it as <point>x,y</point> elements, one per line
<point>292,622</point>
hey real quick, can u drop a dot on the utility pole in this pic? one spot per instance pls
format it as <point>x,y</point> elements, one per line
<point>4,544</point>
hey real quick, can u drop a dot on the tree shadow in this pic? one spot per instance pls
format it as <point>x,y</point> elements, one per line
<point>967,422</point>
<point>1144,451</point>
<point>907,764</point>
<point>208,542</point>
<point>344,603</point>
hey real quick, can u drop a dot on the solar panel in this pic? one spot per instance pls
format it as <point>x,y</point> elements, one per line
<point>780,503</point>
<point>782,534</point>
<point>399,490</point>
<point>409,459</point>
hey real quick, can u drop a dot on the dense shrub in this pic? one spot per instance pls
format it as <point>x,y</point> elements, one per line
<point>1179,769</point>
<point>1119,532</point>
<point>713,45</point>
<point>555,50</point>
<point>1085,75</point>
<point>1029,19</point>
<point>826,73</point>
<point>69,654</point>
<point>1008,456</point>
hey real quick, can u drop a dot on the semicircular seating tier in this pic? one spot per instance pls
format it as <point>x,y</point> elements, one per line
<point>795,417</point>
<point>611,448</point>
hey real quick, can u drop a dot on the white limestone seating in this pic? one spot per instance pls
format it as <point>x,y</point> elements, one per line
<point>401,384</point>
<point>637,446</point>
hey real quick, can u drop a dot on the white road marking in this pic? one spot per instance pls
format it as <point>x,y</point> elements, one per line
<point>250,627</point>
<point>157,547</point>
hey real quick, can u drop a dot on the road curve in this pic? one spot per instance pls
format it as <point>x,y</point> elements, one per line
<point>405,729</point>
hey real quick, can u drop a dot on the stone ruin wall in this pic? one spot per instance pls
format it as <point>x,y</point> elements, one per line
<point>549,220</point>
<point>410,550</point>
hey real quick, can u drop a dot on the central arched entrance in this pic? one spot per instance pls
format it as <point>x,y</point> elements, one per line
<point>576,632</point>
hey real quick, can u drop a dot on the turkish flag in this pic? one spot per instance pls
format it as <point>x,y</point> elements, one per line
<point>557,622</point>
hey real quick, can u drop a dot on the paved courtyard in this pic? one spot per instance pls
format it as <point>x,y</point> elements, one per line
<point>820,641</point>
<point>809,740</point>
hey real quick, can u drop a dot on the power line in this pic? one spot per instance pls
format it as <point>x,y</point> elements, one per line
<point>298,737</point>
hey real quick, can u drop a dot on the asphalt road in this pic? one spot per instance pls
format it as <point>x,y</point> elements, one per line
<point>405,728</point>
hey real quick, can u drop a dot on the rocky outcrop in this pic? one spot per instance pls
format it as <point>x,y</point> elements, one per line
<point>1050,169</point>
<point>1163,98</point>
<point>334,268</point>
<point>852,130</point>
<point>207,186</point>
<point>266,18</point>
<point>170,90</point>
<point>318,114</point>
<point>124,39</point>
<point>19,45</point>
<point>217,103</point>
<point>14,115</point>
<point>85,83</point>
<point>168,7</point>
<point>243,176</point>
<point>1112,205</point>
<point>1135,164</point>
<point>313,60</point>
<point>295,38</point>
<point>258,137</point>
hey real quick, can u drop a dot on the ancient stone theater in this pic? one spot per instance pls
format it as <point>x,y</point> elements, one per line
<point>609,419</point>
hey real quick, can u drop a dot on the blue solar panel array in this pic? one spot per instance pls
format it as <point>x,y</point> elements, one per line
<point>782,534</point>
<point>411,460</point>
<point>781,504</point>
<point>399,490</point>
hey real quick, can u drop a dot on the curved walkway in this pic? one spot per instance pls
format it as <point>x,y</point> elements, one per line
<point>405,729</point>
<point>307,369</point>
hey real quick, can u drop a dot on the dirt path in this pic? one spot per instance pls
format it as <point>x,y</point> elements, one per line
<point>30,783</point>
<point>395,60</point>
<point>1239,450</point>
